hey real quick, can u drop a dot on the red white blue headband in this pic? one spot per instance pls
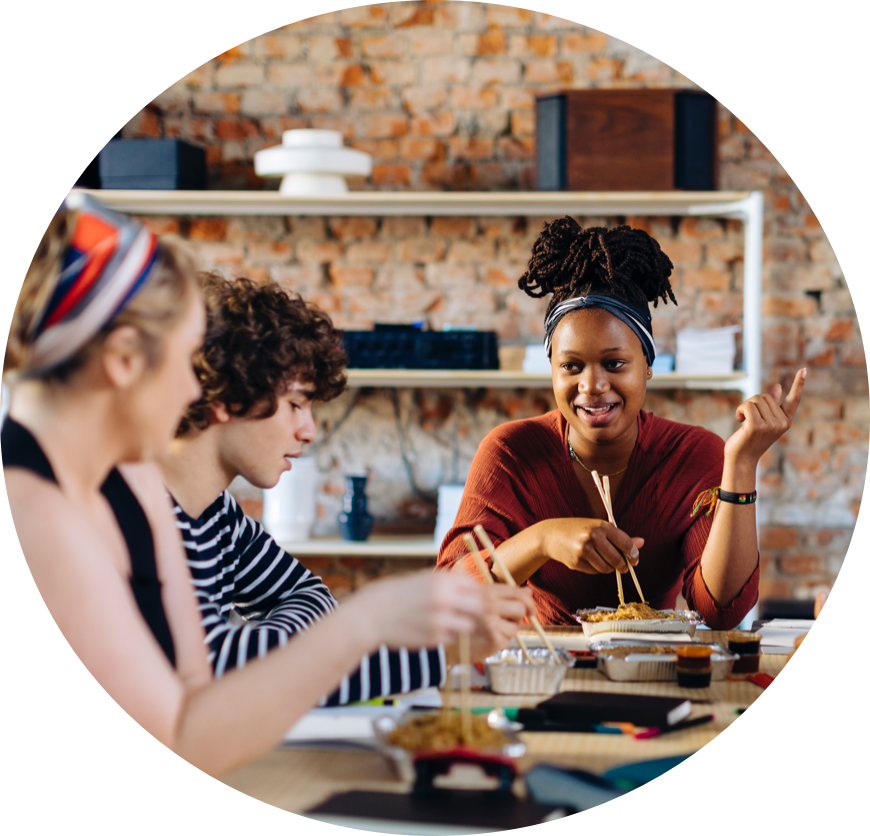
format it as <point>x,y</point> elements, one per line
<point>108,260</point>
<point>634,316</point>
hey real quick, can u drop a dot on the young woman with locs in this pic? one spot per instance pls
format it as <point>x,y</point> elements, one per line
<point>682,498</point>
<point>100,365</point>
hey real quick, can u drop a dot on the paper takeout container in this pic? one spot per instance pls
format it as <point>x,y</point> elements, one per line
<point>643,666</point>
<point>403,759</point>
<point>679,621</point>
<point>510,673</point>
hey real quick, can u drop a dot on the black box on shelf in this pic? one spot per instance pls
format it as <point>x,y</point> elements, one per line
<point>152,164</point>
<point>411,348</point>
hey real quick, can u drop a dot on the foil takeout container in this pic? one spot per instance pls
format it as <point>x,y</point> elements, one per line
<point>403,759</point>
<point>510,673</point>
<point>677,621</point>
<point>641,665</point>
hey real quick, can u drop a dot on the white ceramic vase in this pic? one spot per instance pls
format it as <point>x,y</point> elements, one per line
<point>290,508</point>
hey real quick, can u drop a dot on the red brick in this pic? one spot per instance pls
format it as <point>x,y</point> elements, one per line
<point>445,70</point>
<point>605,69</point>
<point>490,43</point>
<point>505,275</point>
<point>383,125</point>
<point>428,42</point>
<point>159,225</point>
<point>421,148</point>
<point>234,54</point>
<point>496,71</point>
<point>144,123</point>
<point>471,148</point>
<point>446,175</point>
<point>772,305</point>
<point>802,564</point>
<point>369,252</point>
<point>443,276</point>
<point>836,434</point>
<point>400,278</point>
<point>391,174</point>
<point>578,42</point>
<point>773,588</point>
<point>401,227</point>
<point>380,149</point>
<point>814,462</point>
<point>342,276</point>
<point>314,100</point>
<point>454,227</point>
<point>779,538</point>
<point>780,343</point>
<point>473,98</point>
<point>508,16</point>
<point>363,17</point>
<point>439,124</point>
<point>547,71</point>
<point>523,123</point>
<point>421,250</point>
<point>407,15</point>
<point>347,229</point>
<point>383,46</point>
<point>819,355</point>
<point>704,228</point>
<point>207,229</point>
<point>373,98</point>
<point>278,46</point>
<point>322,252</point>
<point>472,252</point>
<point>516,98</point>
<point>240,74</point>
<point>424,99</point>
<point>706,278</point>
<point>290,75</point>
<point>853,355</point>
<point>840,329</point>
<point>216,102</point>
<point>724,304</point>
<point>394,73</point>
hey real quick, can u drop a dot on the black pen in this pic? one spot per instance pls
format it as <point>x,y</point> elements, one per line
<point>686,724</point>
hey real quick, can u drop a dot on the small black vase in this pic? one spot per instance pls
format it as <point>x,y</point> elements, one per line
<point>355,522</point>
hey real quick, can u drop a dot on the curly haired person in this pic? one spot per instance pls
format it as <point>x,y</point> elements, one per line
<point>531,483</point>
<point>267,357</point>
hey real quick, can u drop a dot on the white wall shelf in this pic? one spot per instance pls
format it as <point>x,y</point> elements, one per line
<point>378,545</point>
<point>464,379</point>
<point>747,207</point>
<point>541,204</point>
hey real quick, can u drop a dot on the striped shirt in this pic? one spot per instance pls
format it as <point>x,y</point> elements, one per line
<point>237,568</point>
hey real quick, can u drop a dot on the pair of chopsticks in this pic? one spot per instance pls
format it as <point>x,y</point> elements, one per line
<point>604,490</point>
<point>484,569</point>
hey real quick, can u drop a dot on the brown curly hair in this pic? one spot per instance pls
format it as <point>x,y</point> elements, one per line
<point>260,338</point>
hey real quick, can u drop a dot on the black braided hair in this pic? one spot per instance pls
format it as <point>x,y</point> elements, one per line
<point>622,262</point>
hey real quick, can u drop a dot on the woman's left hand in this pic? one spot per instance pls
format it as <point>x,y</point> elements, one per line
<point>764,421</point>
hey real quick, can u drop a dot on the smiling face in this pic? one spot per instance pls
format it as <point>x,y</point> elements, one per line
<point>599,377</point>
<point>261,449</point>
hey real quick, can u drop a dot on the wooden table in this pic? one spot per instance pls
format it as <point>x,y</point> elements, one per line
<point>298,779</point>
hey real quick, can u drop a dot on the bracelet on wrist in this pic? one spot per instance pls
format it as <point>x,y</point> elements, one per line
<point>713,496</point>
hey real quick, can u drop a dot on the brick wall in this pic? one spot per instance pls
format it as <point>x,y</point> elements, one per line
<point>442,95</point>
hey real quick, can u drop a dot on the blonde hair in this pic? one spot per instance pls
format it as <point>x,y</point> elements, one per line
<point>153,311</point>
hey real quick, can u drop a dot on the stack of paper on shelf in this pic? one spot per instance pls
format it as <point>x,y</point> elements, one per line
<point>706,351</point>
<point>778,635</point>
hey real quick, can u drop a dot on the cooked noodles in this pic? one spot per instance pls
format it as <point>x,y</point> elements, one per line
<point>629,612</point>
<point>444,731</point>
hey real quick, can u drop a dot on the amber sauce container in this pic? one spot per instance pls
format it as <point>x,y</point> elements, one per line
<point>748,647</point>
<point>694,666</point>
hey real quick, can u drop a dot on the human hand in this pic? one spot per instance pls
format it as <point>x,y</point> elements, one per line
<point>419,610</point>
<point>505,608</point>
<point>764,421</point>
<point>589,545</point>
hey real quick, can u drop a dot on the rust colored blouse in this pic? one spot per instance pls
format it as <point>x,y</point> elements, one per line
<point>522,474</point>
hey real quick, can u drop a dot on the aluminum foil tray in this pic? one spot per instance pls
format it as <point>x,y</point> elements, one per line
<point>680,621</point>
<point>510,673</point>
<point>403,759</point>
<point>643,666</point>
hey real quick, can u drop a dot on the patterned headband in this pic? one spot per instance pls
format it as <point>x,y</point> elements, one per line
<point>108,260</point>
<point>634,316</point>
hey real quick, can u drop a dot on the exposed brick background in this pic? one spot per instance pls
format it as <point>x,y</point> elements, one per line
<point>442,95</point>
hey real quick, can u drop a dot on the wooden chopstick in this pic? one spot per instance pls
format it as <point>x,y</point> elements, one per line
<point>484,538</point>
<point>465,686</point>
<point>598,484</point>
<point>484,570</point>
<point>608,504</point>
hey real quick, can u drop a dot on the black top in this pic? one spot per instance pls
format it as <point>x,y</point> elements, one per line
<point>21,449</point>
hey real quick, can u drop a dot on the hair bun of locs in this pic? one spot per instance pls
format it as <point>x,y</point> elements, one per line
<point>108,260</point>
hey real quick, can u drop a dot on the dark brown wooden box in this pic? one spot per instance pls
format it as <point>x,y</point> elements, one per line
<point>626,140</point>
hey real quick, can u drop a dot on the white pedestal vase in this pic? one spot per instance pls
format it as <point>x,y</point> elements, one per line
<point>290,508</point>
<point>312,163</point>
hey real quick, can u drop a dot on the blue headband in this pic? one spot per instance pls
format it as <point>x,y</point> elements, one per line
<point>634,316</point>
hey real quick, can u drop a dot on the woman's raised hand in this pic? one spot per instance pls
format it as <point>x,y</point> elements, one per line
<point>765,418</point>
<point>588,545</point>
<point>506,607</point>
<point>419,610</point>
